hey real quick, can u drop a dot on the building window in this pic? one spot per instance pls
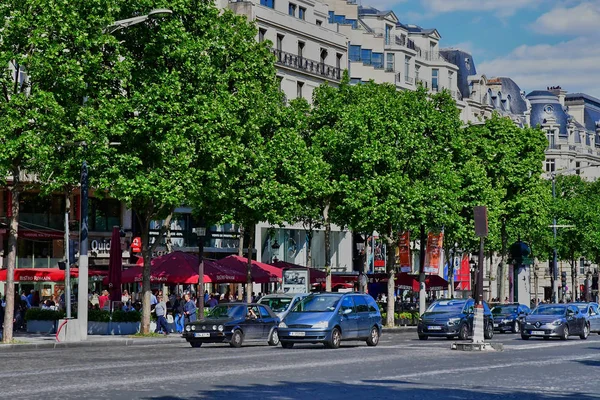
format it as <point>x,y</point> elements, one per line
<point>406,68</point>
<point>588,142</point>
<point>302,13</point>
<point>550,165</point>
<point>355,81</point>
<point>292,9</point>
<point>577,166</point>
<point>365,56</point>
<point>280,42</point>
<point>299,87</point>
<point>389,62</point>
<point>551,139</point>
<point>354,53</point>
<point>319,22</point>
<point>377,60</point>
<point>388,34</point>
<point>581,266</point>
<point>280,81</point>
<point>432,48</point>
<point>450,76</point>
<point>300,49</point>
<point>261,35</point>
<point>331,14</point>
<point>417,69</point>
<point>268,3</point>
<point>323,56</point>
<point>434,79</point>
<point>338,60</point>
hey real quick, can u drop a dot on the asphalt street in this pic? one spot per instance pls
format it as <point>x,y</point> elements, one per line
<point>400,367</point>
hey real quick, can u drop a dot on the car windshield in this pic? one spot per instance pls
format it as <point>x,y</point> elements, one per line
<point>550,310</point>
<point>227,311</point>
<point>446,307</point>
<point>582,307</point>
<point>505,309</point>
<point>325,303</point>
<point>277,304</point>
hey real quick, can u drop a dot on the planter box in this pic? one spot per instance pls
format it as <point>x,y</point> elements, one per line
<point>44,327</point>
<point>124,328</point>
<point>98,328</point>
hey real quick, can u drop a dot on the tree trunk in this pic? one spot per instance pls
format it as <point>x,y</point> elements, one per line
<point>391,285</point>
<point>146,289</point>
<point>309,233</point>
<point>241,243</point>
<point>574,282</point>
<point>11,299</point>
<point>327,248</point>
<point>249,265</point>
<point>422,293</point>
<point>503,268</point>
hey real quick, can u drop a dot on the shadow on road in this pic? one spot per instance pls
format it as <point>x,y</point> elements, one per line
<point>368,389</point>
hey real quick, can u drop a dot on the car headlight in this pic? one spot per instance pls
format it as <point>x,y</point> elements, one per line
<point>321,325</point>
<point>220,328</point>
<point>558,322</point>
<point>193,327</point>
<point>282,325</point>
<point>188,328</point>
<point>454,321</point>
<point>214,327</point>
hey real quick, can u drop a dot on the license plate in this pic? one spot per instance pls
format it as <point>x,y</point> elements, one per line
<point>538,332</point>
<point>297,333</point>
<point>496,325</point>
<point>202,334</point>
<point>434,328</point>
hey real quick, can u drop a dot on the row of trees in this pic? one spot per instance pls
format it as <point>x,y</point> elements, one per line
<point>193,102</point>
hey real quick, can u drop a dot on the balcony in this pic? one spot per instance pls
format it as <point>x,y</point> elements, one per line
<point>405,42</point>
<point>307,65</point>
<point>409,80</point>
<point>431,56</point>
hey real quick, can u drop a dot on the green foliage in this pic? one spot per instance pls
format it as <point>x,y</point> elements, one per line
<point>37,314</point>
<point>98,315</point>
<point>126,316</point>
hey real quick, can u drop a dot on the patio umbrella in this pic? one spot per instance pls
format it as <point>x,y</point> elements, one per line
<point>115,265</point>
<point>261,272</point>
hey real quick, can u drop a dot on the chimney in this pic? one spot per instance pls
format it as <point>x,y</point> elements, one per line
<point>560,93</point>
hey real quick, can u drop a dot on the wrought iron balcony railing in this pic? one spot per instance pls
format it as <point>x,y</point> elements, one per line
<point>307,65</point>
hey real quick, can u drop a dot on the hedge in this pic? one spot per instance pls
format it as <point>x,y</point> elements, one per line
<point>37,314</point>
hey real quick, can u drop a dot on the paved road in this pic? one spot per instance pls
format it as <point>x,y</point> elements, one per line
<point>400,367</point>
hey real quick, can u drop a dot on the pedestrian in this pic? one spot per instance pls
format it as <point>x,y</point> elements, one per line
<point>161,312</point>
<point>125,297</point>
<point>212,302</point>
<point>103,300</point>
<point>189,309</point>
<point>206,296</point>
<point>178,313</point>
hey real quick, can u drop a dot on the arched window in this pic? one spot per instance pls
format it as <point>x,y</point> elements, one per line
<point>508,98</point>
<point>489,95</point>
<point>498,99</point>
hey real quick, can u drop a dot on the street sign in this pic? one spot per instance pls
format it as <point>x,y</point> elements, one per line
<point>481,221</point>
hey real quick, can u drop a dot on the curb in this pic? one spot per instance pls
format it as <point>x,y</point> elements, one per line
<point>103,343</point>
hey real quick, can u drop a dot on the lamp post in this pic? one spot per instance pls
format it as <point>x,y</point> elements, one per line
<point>275,250</point>
<point>472,269</point>
<point>200,234</point>
<point>82,295</point>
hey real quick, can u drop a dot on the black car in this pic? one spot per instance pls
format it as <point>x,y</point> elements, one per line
<point>509,317</point>
<point>453,318</point>
<point>234,323</point>
<point>555,320</point>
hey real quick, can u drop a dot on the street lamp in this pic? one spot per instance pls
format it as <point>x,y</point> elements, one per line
<point>275,250</point>
<point>472,269</point>
<point>82,295</point>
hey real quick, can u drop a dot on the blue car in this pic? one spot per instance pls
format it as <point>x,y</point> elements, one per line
<point>453,318</point>
<point>330,318</point>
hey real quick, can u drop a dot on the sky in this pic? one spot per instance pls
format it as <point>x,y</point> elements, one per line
<point>537,43</point>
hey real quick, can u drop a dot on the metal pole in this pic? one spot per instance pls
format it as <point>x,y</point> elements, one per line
<point>555,294</point>
<point>200,289</point>
<point>479,287</point>
<point>82,295</point>
<point>67,268</point>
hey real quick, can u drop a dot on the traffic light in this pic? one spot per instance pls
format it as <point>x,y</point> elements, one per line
<point>563,278</point>
<point>72,251</point>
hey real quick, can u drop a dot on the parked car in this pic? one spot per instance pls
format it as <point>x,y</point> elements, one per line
<point>282,303</point>
<point>509,317</point>
<point>234,323</point>
<point>330,318</point>
<point>555,320</point>
<point>453,318</point>
<point>592,311</point>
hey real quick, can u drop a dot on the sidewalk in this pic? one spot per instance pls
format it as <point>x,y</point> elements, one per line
<point>30,341</point>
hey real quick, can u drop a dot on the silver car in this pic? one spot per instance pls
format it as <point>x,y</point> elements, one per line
<point>555,320</point>
<point>282,303</point>
<point>592,312</point>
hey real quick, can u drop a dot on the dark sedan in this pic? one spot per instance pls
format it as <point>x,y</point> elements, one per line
<point>555,320</point>
<point>234,323</point>
<point>592,313</point>
<point>509,317</point>
<point>453,318</point>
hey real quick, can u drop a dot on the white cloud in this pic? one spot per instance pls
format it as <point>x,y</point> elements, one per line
<point>571,64</point>
<point>503,8</point>
<point>578,20</point>
<point>469,47</point>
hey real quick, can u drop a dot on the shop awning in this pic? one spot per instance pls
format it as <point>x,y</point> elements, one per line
<point>38,275</point>
<point>261,272</point>
<point>316,275</point>
<point>403,280</point>
<point>434,283</point>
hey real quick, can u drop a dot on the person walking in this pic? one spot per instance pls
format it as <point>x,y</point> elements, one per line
<point>178,313</point>
<point>161,312</point>
<point>189,309</point>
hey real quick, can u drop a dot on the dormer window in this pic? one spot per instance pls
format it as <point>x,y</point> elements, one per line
<point>507,105</point>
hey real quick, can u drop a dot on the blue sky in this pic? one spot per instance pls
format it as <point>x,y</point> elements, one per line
<point>538,43</point>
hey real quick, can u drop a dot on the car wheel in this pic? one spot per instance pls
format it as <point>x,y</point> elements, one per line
<point>489,331</point>
<point>287,345</point>
<point>565,334</point>
<point>516,327</point>
<point>237,338</point>
<point>423,337</point>
<point>463,333</point>
<point>525,337</point>
<point>336,338</point>
<point>373,339</point>
<point>195,344</point>
<point>586,332</point>
<point>274,340</point>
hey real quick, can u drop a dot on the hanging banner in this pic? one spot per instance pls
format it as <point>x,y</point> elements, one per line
<point>433,256</point>
<point>404,259</point>
<point>462,275</point>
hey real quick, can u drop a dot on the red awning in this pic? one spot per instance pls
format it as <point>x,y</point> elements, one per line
<point>402,280</point>
<point>316,275</point>
<point>38,275</point>
<point>434,282</point>
<point>261,272</point>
